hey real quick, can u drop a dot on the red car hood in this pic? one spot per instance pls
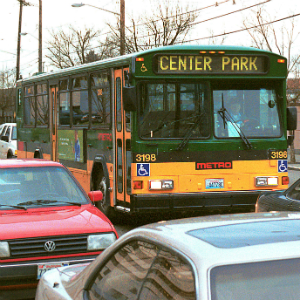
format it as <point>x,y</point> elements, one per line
<point>52,221</point>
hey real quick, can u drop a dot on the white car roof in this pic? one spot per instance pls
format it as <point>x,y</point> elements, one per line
<point>229,239</point>
<point>11,124</point>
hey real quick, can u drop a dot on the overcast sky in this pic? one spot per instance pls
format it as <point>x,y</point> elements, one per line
<point>58,14</point>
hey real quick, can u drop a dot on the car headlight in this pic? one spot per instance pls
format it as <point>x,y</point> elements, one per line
<point>4,249</point>
<point>100,241</point>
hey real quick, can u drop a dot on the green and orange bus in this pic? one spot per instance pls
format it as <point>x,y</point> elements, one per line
<point>157,130</point>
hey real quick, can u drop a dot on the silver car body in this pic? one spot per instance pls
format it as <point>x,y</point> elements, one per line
<point>69,282</point>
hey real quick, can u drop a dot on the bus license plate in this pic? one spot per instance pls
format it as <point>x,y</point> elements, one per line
<point>43,268</point>
<point>214,183</point>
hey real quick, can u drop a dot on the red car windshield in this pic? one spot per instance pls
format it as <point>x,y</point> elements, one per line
<point>32,186</point>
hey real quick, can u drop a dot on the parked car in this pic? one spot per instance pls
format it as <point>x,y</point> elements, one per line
<point>287,200</point>
<point>8,140</point>
<point>227,257</point>
<point>47,221</point>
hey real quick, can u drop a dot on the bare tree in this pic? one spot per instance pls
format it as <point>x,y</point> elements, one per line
<point>7,94</point>
<point>281,40</point>
<point>166,25</point>
<point>265,35</point>
<point>72,48</point>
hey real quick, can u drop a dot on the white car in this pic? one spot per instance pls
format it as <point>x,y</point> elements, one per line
<point>226,257</point>
<point>8,140</point>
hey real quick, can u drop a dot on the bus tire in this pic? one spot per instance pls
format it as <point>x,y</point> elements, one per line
<point>104,205</point>
<point>9,154</point>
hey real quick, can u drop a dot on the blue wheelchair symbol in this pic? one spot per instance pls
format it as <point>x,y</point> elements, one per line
<point>282,166</point>
<point>143,169</point>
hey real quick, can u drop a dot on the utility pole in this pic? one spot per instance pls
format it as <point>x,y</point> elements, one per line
<point>40,38</point>
<point>19,42</point>
<point>122,27</point>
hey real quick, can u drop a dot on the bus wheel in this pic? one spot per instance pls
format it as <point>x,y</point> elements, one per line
<point>104,204</point>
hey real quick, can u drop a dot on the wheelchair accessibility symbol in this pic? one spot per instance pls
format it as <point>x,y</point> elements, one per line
<point>282,166</point>
<point>143,169</point>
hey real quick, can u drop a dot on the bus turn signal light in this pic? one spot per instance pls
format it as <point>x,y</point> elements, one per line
<point>281,61</point>
<point>138,185</point>
<point>139,59</point>
<point>285,180</point>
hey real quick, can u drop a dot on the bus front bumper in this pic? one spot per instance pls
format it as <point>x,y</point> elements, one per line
<point>210,201</point>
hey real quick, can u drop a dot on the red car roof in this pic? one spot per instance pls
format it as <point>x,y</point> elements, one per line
<point>22,163</point>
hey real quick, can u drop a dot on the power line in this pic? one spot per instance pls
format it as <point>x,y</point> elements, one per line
<point>240,30</point>
<point>216,17</point>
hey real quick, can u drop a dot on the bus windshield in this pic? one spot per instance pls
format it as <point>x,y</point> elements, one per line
<point>184,110</point>
<point>174,110</point>
<point>253,111</point>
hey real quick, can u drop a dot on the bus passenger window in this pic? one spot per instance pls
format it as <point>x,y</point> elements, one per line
<point>64,108</point>
<point>100,99</point>
<point>119,112</point>
<point>80,102</point>
<point>42,104</point>
<point>29,106</point>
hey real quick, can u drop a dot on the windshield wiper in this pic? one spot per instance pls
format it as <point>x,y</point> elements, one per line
<point>189,132</point>
<point>225,115</point>
<point>46,202</point>
<point>13,206</point>
<point>68,202</point>
<point>165,124</point>
<point>35,202</point>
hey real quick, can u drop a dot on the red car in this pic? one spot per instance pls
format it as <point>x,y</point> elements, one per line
<point>46,221</point>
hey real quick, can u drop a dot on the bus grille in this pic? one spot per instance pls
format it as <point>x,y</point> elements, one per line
<point>34,247</point>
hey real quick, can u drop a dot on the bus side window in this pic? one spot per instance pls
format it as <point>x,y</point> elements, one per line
<point>64,108</point>
<point>100,105</point>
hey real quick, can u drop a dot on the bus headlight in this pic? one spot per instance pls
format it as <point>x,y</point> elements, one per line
<point>100,241</point>
<point>161,184</point>
<point>4,249</point>
<point>266,181</point>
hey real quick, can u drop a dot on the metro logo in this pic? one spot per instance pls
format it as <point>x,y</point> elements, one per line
<point>214,165</point>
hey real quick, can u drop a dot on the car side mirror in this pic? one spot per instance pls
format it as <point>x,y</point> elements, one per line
<point>129,98</point>
<point>95,196</point>
<point>4,138</point>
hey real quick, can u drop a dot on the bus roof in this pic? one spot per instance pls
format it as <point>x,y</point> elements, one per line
<point>126,60</point>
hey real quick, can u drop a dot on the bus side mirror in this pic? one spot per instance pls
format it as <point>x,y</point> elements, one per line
<point>291,114</point>
<point>129,98</point>
<point>290,140</point>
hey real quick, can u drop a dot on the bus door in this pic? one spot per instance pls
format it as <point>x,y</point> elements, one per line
<point>122,134</point>
<point>54,120</point>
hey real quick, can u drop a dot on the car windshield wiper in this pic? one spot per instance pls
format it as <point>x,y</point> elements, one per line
<point>37,202</point>
<point>189,132</point>
<point>46,202</point>
<point>225,115</point>
<point>13,206</point>
<point>67,202</point>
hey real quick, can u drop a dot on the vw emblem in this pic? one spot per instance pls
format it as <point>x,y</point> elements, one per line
<point>49,246</point>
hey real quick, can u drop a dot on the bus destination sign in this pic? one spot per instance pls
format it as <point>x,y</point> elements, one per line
<point>215,64</point>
